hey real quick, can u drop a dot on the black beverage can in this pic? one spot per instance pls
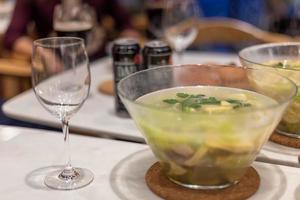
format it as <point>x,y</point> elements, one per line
<point>126,60</point>
<point>156,53</point>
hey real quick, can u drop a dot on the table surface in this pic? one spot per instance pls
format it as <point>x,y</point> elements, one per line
<point>118,166</point>
<point>97,115</point>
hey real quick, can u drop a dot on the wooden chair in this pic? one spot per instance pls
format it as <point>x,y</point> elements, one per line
<point>232,31</point>
<point>15,73</point>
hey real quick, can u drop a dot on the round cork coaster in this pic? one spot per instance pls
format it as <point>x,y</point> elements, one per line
<point>163,187</point>
<point>285,140</point>
<point>107,87</point>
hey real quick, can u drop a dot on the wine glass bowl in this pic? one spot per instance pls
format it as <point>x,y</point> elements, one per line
<point>282,58</point>
<point>73,19</point>
<point>61,82</point>
<point>77,19</point>
<point>154,11</point>
<point>180,23</point>
<point>199,128</point>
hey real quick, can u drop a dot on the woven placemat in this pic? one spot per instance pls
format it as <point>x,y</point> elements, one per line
<point>285,140</point>
<point>163,187</point>
<point>106,87</point>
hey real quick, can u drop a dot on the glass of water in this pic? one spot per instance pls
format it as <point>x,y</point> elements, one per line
<point>61,82</point>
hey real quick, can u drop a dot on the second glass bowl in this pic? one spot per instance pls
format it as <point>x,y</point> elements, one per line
<point>283,58</point>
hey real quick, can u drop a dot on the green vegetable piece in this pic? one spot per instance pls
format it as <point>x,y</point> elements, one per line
<point>280,64</point>
<point>195,105</point>
<point>236,106</point>
<point>210,100</point>
<point>297,98</point>
<point>233,101</point>
<point>182,95</point>
<point>170,101</point>
<point>241,105</point>
<point>197,95</point>
<point>186,104</point>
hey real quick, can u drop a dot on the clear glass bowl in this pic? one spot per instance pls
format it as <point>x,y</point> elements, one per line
<point>283,58</point>
<point>205,150</point>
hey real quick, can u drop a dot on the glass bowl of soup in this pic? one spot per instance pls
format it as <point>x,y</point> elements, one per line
<point>205,123</point>
<point>283,58</point>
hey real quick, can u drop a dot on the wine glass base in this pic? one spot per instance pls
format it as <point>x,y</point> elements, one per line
<point>84,178</point>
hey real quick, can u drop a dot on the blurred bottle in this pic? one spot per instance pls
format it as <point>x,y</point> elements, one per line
<point>76,19</point>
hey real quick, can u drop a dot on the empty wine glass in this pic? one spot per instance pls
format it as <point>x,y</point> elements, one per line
<point>180,23</point>
<point>61,82</point>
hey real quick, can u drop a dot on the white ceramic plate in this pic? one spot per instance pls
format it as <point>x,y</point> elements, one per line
<point>128,182</point>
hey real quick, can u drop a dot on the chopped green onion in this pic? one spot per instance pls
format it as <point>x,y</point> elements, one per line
<point>182,95</point>
<point>170,101</point>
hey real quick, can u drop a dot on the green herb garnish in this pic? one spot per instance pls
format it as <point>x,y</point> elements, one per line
<point>281,65</point>
<point>190,102</point>
<point>237,103</point>
<point>171,101</point>
<point>182,95</point>
<point>233,101</point>
<point>195,105</point>
<point>210,100</point>
<point>197,95</point>
<point>195,101</point>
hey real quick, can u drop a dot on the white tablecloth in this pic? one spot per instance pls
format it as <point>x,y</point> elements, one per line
<point>118,166</point>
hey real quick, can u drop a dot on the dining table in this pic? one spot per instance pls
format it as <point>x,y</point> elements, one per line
<point>97,116</point>
<point>119,168</point>
<point>118,157</point>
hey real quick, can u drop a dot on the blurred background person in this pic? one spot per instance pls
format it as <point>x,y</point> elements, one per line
<point>34,19</point>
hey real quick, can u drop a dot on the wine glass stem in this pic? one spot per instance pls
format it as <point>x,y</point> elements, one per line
<point>68,172</point>
<point>179,56</point>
